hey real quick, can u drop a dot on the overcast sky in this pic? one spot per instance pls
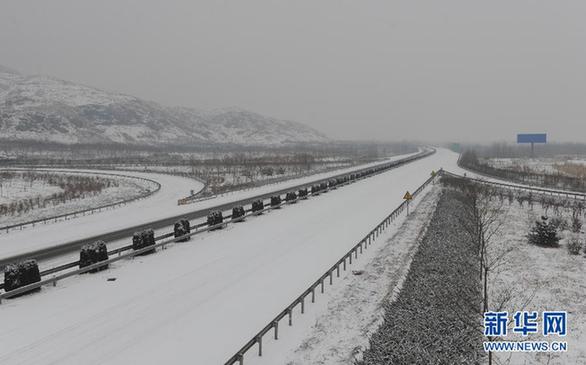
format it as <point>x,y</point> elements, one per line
<point>356,69</point>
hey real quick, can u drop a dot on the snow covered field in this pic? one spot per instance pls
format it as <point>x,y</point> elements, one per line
<point>161,205</point>
<point>565,165</point>
<point>452,166</point>
<point>200,301</point>
<point>538,165</point>
<point>19,188</point>
<point>545,278</point>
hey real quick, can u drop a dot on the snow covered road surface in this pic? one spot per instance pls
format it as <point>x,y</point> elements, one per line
<point>160,206</point>
<point>198,302</point>
<point>141,211</point>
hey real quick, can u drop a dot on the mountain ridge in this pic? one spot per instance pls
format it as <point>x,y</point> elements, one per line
<point>48,109</point>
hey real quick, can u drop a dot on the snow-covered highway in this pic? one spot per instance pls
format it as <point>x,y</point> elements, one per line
<point>199,301</point>
<point>118,224</point>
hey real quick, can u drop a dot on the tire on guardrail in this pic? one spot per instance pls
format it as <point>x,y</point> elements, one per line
<point>238,213</point>
<point>92,253</point>
<point>302,193</point>
<point>143,239</point>
<point>315,189</point>
<point>291,197</point>
<point>258,206</point>
<point>276,201</point>
<point>21,274</point>
<point>332,184</point>
<point>215,217</point>
<point>181,228</point>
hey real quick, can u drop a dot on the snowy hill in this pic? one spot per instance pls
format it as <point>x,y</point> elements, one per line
<point>47,109</point>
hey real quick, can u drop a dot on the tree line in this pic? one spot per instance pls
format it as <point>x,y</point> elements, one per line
<point>72,187</point>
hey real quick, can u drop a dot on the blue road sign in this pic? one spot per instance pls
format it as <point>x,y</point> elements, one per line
<point>532,138</point>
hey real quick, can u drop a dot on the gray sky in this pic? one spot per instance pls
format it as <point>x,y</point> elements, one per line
<point>465,70</point>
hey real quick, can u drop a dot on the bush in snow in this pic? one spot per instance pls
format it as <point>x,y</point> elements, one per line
<point>92,253</point>
<point>143,239</point>
<point>574,246</point>
<point>215,217</point>
<point>21,274</point>
<point>181,228</point>
<point>544,233</point>
<point>275,200</point>
<point>291,197</point>
<point>238,212</point>
<point>257,206</point>
<point>576,223</point>
<point>559,223</point>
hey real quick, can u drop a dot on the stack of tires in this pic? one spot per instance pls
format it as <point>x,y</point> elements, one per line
<point>258,206</point>
<point>323,186</point>
<point>181,228</point>
<point>315,189</point>
<point>275,201</point>
<point>21,274</point>
<point>291,197</point>
<point>302,193</point>
<point>215,218</point>
<point>238,213</point>
<point>332,184</point>
<point>144,239</point>
<point>92,253</point>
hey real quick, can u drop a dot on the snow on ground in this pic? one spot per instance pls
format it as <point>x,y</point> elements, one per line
<point>200,301</point>
<point>537,165</point>
<point>161,205</point>
<point>337,328</point>
<point>452,166</point>
<point>18,188</point>
<point>555,278</point>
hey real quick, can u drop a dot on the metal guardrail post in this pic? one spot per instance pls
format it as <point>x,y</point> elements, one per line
<point>276,328</point>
